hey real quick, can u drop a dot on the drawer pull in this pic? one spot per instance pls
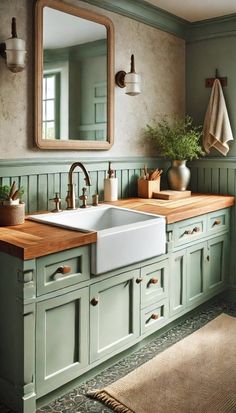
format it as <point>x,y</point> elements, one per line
<point>208,257</point>
<point>94,302</point>
<point>153,281</point>
<point>196,229</point>
<point>193,231</point>
<point>64,269</point>
<point>139,280</point>
<point>154,316</point>
<point>216,222</point>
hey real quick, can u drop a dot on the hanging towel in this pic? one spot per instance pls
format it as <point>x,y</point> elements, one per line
<point>216,129</point>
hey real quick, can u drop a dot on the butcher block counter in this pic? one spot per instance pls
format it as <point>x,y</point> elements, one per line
<point>178,210</point>
<point>31,239</point>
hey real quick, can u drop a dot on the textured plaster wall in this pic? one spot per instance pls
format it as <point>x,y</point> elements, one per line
<point>160,58</point>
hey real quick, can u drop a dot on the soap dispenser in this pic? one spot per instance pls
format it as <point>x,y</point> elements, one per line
<point>110,186</point>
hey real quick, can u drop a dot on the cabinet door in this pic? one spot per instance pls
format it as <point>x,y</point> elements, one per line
<point>196,272</point>
<point>61,339</point>
<point>114,314</point>
<point>217,251</point>
<point>178,282</point>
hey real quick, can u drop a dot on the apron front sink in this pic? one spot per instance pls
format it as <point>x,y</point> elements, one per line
<point>123,236</point>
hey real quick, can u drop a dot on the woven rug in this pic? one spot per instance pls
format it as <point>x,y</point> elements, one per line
<point>195,375</point>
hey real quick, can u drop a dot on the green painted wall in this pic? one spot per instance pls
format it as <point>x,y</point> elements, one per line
<point>211,45</point>
<point>202,58</point>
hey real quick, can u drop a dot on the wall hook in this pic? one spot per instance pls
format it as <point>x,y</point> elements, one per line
<point>223,80</point>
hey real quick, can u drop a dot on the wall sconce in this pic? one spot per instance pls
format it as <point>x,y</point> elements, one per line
<point>13,50</point>
<point>129,80</point>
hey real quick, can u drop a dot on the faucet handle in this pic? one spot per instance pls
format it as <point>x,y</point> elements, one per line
<point>84,198</point>
<point>57,201</point>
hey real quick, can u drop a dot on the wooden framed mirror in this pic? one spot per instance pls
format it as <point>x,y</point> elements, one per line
<point>74,78</point>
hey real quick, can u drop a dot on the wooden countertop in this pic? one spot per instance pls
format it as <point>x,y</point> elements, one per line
<point>177,210</point>
<point>32,239</point>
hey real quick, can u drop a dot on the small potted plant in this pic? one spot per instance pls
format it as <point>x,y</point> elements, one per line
<point>179,141</point>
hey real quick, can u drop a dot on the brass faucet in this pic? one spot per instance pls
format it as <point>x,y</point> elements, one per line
<point>70,198</point>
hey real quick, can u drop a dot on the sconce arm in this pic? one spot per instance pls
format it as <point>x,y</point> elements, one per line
<point>13,28</point>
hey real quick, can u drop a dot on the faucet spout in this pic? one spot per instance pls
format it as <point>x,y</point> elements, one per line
<point>70,198</point>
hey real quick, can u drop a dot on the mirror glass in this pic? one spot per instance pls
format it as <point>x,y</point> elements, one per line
<point>73,87</point>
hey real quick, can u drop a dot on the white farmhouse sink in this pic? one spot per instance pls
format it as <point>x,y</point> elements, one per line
<point>123,236</point>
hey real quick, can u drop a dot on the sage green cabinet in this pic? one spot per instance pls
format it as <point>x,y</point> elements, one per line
<point>217,262</point>
<point>61,339</point>
<point>67,321</point>
<point>206,268</point>
<point>114,314</point>
<point>178,281</point>
<point>196,272</point>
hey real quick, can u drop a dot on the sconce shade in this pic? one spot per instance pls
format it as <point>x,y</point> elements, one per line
<point>13,50</point>
<point>15,54</point>
<point>131,81</point>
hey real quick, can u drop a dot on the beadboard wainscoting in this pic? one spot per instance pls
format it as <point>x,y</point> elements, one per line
<point>218,176</point>
<point>42,178</point>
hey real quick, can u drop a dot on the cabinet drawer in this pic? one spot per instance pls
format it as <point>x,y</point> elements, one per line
<point>218,221</point>
<point>154,317</point>
<point>154,282</point>
<point>62,269</point>
<point>189,230</point>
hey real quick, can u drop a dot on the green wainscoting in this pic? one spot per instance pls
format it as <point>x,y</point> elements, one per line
<point>218,176</point>
<point>41,178</point>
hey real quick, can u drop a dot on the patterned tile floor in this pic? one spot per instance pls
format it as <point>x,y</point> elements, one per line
<point>76,401</point>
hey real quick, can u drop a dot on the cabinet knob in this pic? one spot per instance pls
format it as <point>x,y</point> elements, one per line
<point>217,222</point>
<point>154,316</point>
<point>208,257</point>
<point>139,280</point>
<point>153,281</point>
<point>94,301</point>
<point>188,232</point>
<point>63,269</point>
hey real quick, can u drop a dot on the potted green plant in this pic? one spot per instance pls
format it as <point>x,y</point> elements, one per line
<point>178,140</point>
